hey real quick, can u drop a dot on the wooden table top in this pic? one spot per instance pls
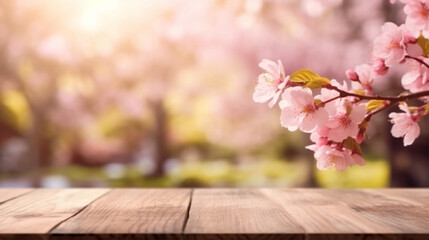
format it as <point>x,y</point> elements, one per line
<point>253,213</point>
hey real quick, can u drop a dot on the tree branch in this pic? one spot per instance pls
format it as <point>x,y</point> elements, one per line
<point>376,97</point>
<point>418,60</point>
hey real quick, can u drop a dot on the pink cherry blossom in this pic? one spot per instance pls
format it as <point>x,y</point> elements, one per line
<point>418,17</point>
<point>327,94</point>
<point>330,157</point>
<point>271,83</point>
<point>405,125</point>
<point>345,123</point>
<point>300,111</point>
<point>391,45</point>
<point>319,138</point>
<point>379,67</point>
<point>338,118</point>
<point>402,1</point>
<point>417,77</point>
<point>361,135</point>
<point>357,158</point>
<point>366,77</point>
<point>352,75</point>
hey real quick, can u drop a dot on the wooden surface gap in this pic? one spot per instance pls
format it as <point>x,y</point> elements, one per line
<point>233,211</point>
<point>38,211</point>
<point>19,194</point>
<point>79,211</point>
<point>188,211</point>
<point>132,211</point>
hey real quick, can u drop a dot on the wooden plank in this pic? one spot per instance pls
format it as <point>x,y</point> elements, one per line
<point>7,194</point>
<point>317,213</point>
<point>405,219</point>
<point>237,211</point>
<point>400,215</point>
<point>290,236</point>
<point>404,214</point>
<point>133,211</point>
<point>41,210</point>
<point>414,196</point>
<point>217,214</point>
<point>361,198</point>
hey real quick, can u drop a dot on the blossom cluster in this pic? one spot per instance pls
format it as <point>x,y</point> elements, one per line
<point>337,114</point>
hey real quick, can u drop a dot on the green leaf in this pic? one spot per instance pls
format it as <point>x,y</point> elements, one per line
<point>424,44</point>
<point>303,76</point>
<point>309,78</point>
<point>374,104</point>
<point>351,144</point>
<point>317,83</point>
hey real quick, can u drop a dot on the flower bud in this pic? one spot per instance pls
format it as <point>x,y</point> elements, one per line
<point>409,39</point>
<point>361,136</point>
<point>352,75</point>
<point>380,67</point>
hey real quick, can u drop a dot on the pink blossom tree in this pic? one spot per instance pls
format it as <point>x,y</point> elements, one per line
<point>339,116</point>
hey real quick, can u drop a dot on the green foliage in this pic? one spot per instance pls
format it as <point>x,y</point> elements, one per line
<point>113,123</point>
<point>375,174</point>
<point>267,172</point>
<point>309,78</point>
<point>350,143</point>
<point>15,110</point>
<point>374,104</point>
<point>222,173</point>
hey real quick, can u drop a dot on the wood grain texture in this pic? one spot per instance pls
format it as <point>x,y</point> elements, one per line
<point>40,210</point>
<point>7,194</point>
<point>361,198</point>
<point>133,211</point>
<point>315,214</point>
<point>400,214</point>
<point>237,211</point>
<point>415,196</point>
<point>318,213</point>
<point>215,237</point>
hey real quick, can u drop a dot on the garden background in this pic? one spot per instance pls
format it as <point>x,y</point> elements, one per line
<point>159,93</point>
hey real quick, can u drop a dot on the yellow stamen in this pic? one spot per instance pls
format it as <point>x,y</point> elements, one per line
<point>268,80</point>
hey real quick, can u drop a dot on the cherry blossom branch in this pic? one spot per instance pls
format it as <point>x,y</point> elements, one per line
<point>329,100</point>
<point>389,104</point>
<point>369,115</point>
<point>376,97</point>
<point>418,60</point>
<point>338,134</point>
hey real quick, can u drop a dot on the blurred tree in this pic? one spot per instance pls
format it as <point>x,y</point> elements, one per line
<point>98,79</point>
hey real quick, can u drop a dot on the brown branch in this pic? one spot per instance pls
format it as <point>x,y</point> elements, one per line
<point>376,97</point>
<point>418,60</point>
<point>369,115</point>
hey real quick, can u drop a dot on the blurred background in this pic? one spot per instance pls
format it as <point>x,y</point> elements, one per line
<point>103,93</point>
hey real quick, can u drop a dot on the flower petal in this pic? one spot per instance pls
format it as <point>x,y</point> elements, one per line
<point>358,113</point>
<point>275,98</point>
<point>411,135</point>
<point>410,77</point>
<point>309,123</point>
<point>289,118</point>
<point>399,129</point>
<point>271,67</point>
<point>322,117</point>
<point>358,159</point>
